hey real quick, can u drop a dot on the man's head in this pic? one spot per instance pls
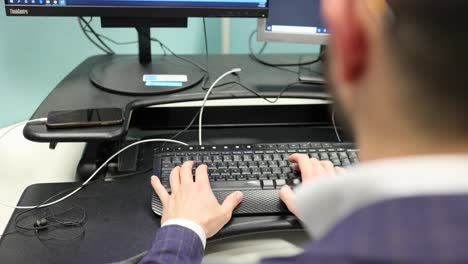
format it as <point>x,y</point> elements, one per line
<point>398,70</point>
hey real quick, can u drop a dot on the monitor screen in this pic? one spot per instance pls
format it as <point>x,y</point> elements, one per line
<point>139,8</point>
<point>294,21</point>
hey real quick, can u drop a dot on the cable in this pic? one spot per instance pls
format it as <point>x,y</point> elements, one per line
<point>95,173</point>
<point>256,58</point>
<point>200,118</point>
<point>338,137</point>
<point>34,121</point>
<point>206,78</point>
<point>106,49</point>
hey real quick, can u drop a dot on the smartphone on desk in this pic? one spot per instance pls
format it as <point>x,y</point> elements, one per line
<point>85,118</point>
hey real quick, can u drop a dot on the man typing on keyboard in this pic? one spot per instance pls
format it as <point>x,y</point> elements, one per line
<point>397,70</point>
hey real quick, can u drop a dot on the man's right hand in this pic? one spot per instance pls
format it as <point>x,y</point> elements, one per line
<point>310,169</point>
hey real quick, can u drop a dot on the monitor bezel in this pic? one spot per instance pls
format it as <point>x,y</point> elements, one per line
<point>264,35</point>
<point>136,12</point>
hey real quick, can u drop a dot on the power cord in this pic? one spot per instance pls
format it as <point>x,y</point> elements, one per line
<point>85,25</point>
<point>254,56</point>
<point>200,118</point>
<point>338,137</point>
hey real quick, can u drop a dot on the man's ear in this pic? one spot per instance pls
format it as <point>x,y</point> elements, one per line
<point>348,38</point>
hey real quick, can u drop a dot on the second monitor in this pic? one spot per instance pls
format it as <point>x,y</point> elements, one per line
<point>297,21</point>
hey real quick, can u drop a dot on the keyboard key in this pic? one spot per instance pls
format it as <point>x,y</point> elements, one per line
<point>273,164</point>
<point>324,156</point>
<point>256,171</point>
<point>248,158</point>
<point>268,185</point>
<point>222,165</point>
<point>277,157</point>
<point>231,178</point>
<point>242,177</point>
<point>235,172</point>
<point>263,164</point>
<point>283,163</point>
<point>243,165</point>
<point>276,170</point>
<point>282,146</point>
<point>236,185</point>
<point>237,158</point>
<point>257,158</point>
<point>220,178</point>
<point>233,165</point>
<point>267,157</point>
<point>343,155</point>
<point>336,162</point>
<point>252,177</point>
<point>245,172</point>
<point>314,156</point>
<point>253,164</point>
<point>280,183</point>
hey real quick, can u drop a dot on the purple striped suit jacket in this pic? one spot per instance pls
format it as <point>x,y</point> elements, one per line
<point>426,230</point>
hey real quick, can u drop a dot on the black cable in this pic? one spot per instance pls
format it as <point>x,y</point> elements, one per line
<point>122,42</point>
<point>104,46</point>
<point>261,61</point>
<point>206,78</point>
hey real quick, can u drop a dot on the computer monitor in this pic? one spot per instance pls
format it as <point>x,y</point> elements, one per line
<point>297,21</point>
<point>126,74</point>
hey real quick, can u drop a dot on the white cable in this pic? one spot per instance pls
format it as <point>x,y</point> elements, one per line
<point>95,173</point>
<point>34,121</point>
<point>334,125</point>
<point>200,118</point>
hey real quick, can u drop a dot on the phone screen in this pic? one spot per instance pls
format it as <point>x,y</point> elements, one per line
<point>85,117</point>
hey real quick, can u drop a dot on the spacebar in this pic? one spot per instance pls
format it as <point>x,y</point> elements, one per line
<point>236,185</point>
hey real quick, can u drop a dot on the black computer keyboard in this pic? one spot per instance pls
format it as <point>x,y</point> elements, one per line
<point>258,170</point>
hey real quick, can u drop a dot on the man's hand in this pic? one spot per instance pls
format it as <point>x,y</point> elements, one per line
<point>310,169</point>
<point>194,200</point>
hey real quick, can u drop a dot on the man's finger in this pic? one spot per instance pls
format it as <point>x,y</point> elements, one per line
<point>303,163</point>
<point>174,179</point>
<point>328,167</point>
<point>186,176</point>
<point>339,170</point>
<point>232,201</point>
<point>160,190</point>
<point>201,176</point>
<point>289,198</point>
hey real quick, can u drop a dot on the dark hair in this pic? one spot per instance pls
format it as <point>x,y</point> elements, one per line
<point>428,40</point>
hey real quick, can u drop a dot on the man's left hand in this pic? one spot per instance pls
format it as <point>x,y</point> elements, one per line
<point>194,200</point>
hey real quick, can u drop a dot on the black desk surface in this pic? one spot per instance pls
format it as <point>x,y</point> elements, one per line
<point>77,92</point>
<point>120,221</point>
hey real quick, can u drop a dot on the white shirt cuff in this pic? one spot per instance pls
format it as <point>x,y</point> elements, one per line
<point>190,225</point>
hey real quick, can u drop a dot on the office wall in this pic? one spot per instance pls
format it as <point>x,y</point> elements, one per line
<point>36,53</point>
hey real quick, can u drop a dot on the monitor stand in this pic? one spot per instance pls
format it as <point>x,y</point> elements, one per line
<point>313,73</point>
<point>124,74</point>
